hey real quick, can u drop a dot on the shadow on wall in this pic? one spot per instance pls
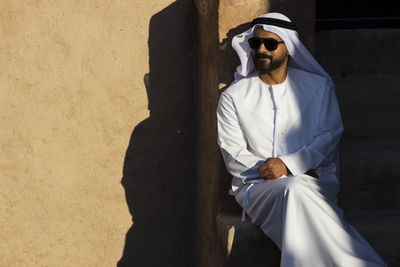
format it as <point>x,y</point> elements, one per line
<point>228,57</point>
<point>159,167</point>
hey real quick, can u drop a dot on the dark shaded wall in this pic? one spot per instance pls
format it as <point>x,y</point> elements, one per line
<point>159,167</point>
<point>344,52</point>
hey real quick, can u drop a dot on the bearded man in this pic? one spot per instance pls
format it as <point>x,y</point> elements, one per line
<point>279,126</point>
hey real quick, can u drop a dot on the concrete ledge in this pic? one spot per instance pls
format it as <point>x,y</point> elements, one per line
<point>246,245</point>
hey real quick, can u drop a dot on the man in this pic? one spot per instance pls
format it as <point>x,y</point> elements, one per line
<point>278,128</point>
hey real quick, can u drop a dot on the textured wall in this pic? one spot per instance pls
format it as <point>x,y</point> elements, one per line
<point>72,89</point>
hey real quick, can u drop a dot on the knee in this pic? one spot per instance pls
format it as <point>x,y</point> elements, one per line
<point>293,186</point>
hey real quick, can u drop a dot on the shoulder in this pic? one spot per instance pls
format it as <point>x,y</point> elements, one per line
<point>308,81</point>
<point>241,87</point>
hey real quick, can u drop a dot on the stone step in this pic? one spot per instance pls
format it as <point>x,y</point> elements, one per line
<point>369,177</point>
<point>246,245</point>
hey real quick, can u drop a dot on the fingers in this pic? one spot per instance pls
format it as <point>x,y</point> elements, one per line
<point>269,174</point>
<point>272,168</point>
<point>265,165</point>
<point>266,174</point>
<point>264,170</point>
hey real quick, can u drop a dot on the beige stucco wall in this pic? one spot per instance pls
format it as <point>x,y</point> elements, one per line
<point>71,92</point>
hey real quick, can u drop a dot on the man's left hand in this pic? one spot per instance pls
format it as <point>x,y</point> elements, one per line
<point>272,168</point>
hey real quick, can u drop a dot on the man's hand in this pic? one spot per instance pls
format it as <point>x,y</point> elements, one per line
<point>272,168</point>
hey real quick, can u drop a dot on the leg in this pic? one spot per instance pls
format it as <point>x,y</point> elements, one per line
<point>301,216</point>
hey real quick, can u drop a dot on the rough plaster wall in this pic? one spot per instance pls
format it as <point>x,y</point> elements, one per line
<point>233,13</point>
<point>71,91</point>
<point>233,19</point>
<point>159,167</point>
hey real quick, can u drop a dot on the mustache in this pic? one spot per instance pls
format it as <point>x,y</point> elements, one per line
<point>260,55</point>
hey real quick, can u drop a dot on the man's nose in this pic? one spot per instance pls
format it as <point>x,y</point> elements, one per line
<point>262,49</point>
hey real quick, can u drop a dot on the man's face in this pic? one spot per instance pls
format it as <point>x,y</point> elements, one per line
<point>266,61</point>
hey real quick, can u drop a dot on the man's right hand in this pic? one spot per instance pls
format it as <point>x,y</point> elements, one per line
<point>272,168</point>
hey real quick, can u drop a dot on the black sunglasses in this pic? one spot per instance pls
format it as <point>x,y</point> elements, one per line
<point>269,43</point>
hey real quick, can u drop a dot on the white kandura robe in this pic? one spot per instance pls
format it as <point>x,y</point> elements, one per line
<point>298,121</point>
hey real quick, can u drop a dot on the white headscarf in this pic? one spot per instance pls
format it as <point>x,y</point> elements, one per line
<point>300,57</point>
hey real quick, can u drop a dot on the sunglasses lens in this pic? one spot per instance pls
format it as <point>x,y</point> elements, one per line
<point>254,43</point>
<point>269,43</point>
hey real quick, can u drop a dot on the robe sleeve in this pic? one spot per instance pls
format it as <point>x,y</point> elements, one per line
<point>326,139</point>
<point>239,161</point>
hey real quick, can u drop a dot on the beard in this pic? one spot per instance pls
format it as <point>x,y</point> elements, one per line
<point>266,66</point>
